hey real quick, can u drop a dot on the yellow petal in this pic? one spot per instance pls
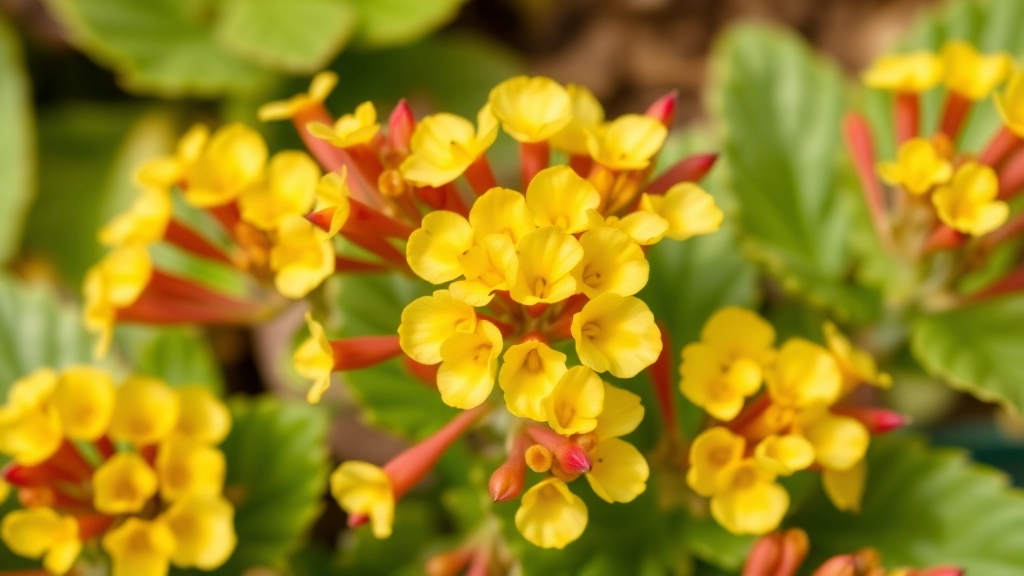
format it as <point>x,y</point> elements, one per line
<point>444,145</point>
<point>971,74</point>
<point>333,192</point>
<point>550,516</point>
<point>430,320</point>
<point>143,223</point>
<point>531,109</point>
<point>469,363</point>
<point>621,414</point>
<point>784,455</point>
<point>712,383</point>
<point>645,228</point>
<point>140,548</point>
<point>204,531</point>
<point>739,333</point>
<point>856,365</point>
<point>1010,103</point>
<point>557,196</point>
<point>232,161</point>
<point>186,468</point>
<point>968,203</point>
<point>616,334</point>
<point>751,503</point>
<point>586,113</point>
<point>804,374</point>
<point>840,442</point>
<point>84,402</point>
<point>490,265</point>
<point>687,208</point>
<point>302,257</point>
<point>206,419</point>
<point>314,359</point>
<point>350,129</point>
<point>123,484</point>
<point>434,248</point>
<point>627,143</point>
<point>713,451</point>
<point>914,72</point>
<point>619,472</point>
<point>845,488</point>
<point>575,402</point>
<point>145,411</point>
<point>361,488</point>
<point>612,264</point>
<point>501,211</point>
<point>546,259</point>
<point>30,532</point>
<point>289,189</point>
<point>918,167</point>
<point>529,372</point>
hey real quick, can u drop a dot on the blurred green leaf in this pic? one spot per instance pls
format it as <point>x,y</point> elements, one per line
<point>922,508</point>
<point>395,401</point>
<point>706,539</point>
<point>976,348</point>
<point>781,108</point>
<point>180,355</point>
<point>164,47</point>
<point>17,157</point>
<point>392,22</point>
<point>298,36</point>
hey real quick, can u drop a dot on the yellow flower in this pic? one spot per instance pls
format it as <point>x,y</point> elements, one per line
<point>333,192</point>
<point>749,501</point>
<point>123,484</point>
<point>364,489</point>
<point>204,530</point>
<point>469,363</point>
<point>969,202</point>
<point>231,162</point>
<point>207,419</point>
<point>547,257</point>
<point>319,89</point>
<point>501,211</point>
<point>845,488</point>
<point>587,113</point>
<point>856,365</point>
<point>434,249</point>
<point>140,548</point>
<point>626,143</point>
<point>784,455</point>
<point>186,467</point>
<point>616,334</point>
<point>621,414</point>
<point>645,228</point>
<point>612,264</point>
<point>490,265</point>
<point>30,431</point>
<point>686,209</point>
<point>302,257</point>
<point>143,223</point>
<point>618,470</point>
<point>430,320</point>
<point>914,72</point>
<point>840,442</point>
<point>288,189</point>
<point>804,374</point>
<point>557,196</point>
<point>444,145</point>
<point>145,411</point>
<point>114,282</point>
<point>714,451</point>
<point>550,516</point>
<point>165,171</point>
<point>529,372</point>
<point>917,168</point>
<point>41,532</point>
<point>83,401</point>
<point>575,402</point>
<point>971,74</point>
<point>1010,103</point>
<point>314,360</point>
<point>715,382</point>
<point>531,109</point>
<point>349,130</point>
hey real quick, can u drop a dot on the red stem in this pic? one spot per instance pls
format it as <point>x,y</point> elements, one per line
<point>228,216</point>
<point>480,176</point>
<point>954,113</point>
<point>999,147</point>
<point>861,147</point>
<point>1012,228</point>
<point>581,164</point>
<point>907,116</point>
<point>943,238</point>
<point>362,219</point>
<point>425,373</point>
<point>355,266</point>
<point>1011,175</point>
<point>661,378</point>
<point>184,238</point>
<point>364,351</point>
<point>1011,283</point>
<point>533,157</point>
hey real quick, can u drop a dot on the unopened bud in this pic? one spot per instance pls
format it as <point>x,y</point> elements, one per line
<point>401,125</point>
<point>572,458</point>
<point>507,481</point>
<point>586,441</point>
<point>559,472</point>
<point>391,184</point>
<point>944,571</point>
<point>538,458</point>
<point>448,563</point>
<point>664,108</point>
<point>843,565</point>
<point>778,554</point>
<point>876,420</point>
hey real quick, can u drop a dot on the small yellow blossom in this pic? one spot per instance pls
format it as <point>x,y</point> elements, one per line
<point>123,484</point>
<point>612,263</point>
<point>616,334</point>
<point>621,414</point>
<point>575,402</point>
<point>186,467</point>
<point>1010,103</point>
<point>288,189</point>
<point>557,196</point>
<point>84,401</point>
<point>918,167</point>
<point>550,516</point>
<point>319,88</point>
<point>140,548</point>
<point>531,109</point>
<point>687,210</point>
<point>114,282</point>
<point>333,192</point>
<point>856,365</point>
<point>715,450</point>
<point>784,455</point>
<point>434,248</point>
<point>619,472</point>
<point>490,265</point>
<point>302,257</point>
<point>144,222</point>
<point>364,489</point>
<point>30,431</point>
<point>145,411</point>
<point>469,363</point>
<point>547,257</point>
<point>314,360</point>
<point>430,320</point>
<point>971,74</point>
<point>969,202</point>
<point>501,211</point>
<point>749,501</point>
<point>645,228</point>
<point>587,113</point>
<point>232,161</point>
<point>845,488</point>
<point>539,458</point>
<point>42,533</point>
<point>804,374</point>
<point>207,419</point>
<point>627,143</point>
<point>204,531</point>
<point>444,145</point>
<point>349,130</point>
<point>529,372</point>
<point>914,72</point>
<point>840,442</point>
<point>163,172</point>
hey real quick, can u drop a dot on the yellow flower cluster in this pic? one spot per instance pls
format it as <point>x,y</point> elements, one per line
<point>124,464</point>
<point>791,426</point>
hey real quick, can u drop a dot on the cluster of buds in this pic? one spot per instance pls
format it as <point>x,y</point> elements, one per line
<point>943,198</point>
<point>783,553</point>
<point>525,273</point>
<point>793,424</point>
<point>126,466</point>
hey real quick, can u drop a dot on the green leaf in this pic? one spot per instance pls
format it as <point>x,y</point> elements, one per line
<point>923,508</point>
<point>163,47</point>
<point>179,355</point>
<point>299,36</point>
<point>277,469</point>
<point>17,156</point>
<point>781,108</point>
<point>976,349</point>
<point>392,22</point>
